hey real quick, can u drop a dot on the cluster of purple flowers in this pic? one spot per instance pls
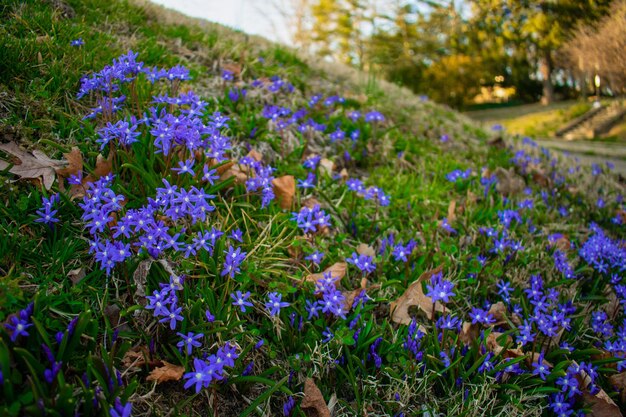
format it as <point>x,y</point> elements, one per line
<point>164,302</point>
<point>370,193</point>
<point>458,174</point>
<point>561,263</point>
<point>311,220</point>
<point>440,289</point>
<point>262,180</point>
<point>332,302</point>
<point>46,213</point>
<point>365,263</point>
<point>211,368</point>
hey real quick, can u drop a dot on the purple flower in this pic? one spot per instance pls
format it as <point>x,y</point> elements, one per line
<point>232,261</point>
<point>241,300</point>
<point>202,376</point>
<point>439,289</point>
<point>77,42</point>
<point>189,341</point>
<point>120,410</point>
<point>541,368</point>
<point>274,304</point>
<point>481,316</point>
<point>289,406</point>
<point>364,262</point>
<point>316,257</point>
<point>46,213</point>
<point>237,235</point>
<point>309,182</point>
<point>185,167</point>
<point>209,317</point>
<point>172,315</point>
<point>18,326</point>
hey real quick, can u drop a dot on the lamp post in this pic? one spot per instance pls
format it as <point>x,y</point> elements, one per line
<point>596,82</point>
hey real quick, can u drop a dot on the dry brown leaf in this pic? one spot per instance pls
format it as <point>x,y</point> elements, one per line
<point>601,405</point>
<point>344,174</point>
<point>310,202</point>
<point>509,183</point>
<point>140,277</point>
<point>337,271</point>
<point>232,67</point>
<point>452,211</point>
<point>365,249</point>
<point>326,166</point>
<point>469,332</point>
<point>256,155</point>
<point>414,296</point>
<point>284,189</point>
<point>618,381</point>
<point>234,170</point>
<point>75,163</point>
<point>32,166</point>
<point>136,357</point>
<point>76,275</point>
<point>498,311</point>
<point>167,372</point>
<point>351,295</point>
<point>313,404</point>
<point>104,166</point>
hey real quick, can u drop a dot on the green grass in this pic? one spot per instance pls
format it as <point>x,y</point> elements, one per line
<point>404,155</point>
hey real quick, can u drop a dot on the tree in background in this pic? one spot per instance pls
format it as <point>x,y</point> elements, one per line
<point>433,48</point>
<point>599,49</point>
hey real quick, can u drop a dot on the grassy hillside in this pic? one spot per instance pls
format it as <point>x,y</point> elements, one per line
<point>198,222</point>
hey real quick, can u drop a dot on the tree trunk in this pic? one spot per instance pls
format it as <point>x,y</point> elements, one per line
<point>545,68</point>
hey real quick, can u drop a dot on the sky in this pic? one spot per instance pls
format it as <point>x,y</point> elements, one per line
<point>259,17</point>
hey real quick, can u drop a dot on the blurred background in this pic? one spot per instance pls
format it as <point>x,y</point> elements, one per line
<point>560,56</point>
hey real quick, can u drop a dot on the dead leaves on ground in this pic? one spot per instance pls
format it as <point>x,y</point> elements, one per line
<point>414,296</point>
<point>313,403</point>
<point>162,371</point>
<point>337,271</point>
<point>166,372</point>
<point>285,189</point>
<point>34,166</point>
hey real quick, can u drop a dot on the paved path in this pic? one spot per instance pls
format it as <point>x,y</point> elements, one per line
<point>592,152</point>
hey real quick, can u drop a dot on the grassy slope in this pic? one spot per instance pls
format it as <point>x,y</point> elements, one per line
<point>39,75</point>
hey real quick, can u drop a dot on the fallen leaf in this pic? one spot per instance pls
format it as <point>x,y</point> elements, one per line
<point>256,155</point>
<point>75,163</point>
<point>498,311</point>
<point>601,405</point>
<point>136,357</point>
<point>452,211</point>
<point>326,166</point>
<point>618,381</point>
<point>140,277</point>
<point>313,404</point>
<point>31,166</point>
<point>104,166</point>
<point>497,143</point>
<point>351,295</point>
<point>509,183</point>
<point>469,332</point>
<point>337,271</point>
<point>414,296</point>
<point>232,67</point>
<point>284,189</point>
<point>76,275</point>
<point>365,249</point>
<point>344,174</point>
<point>310,202</point>
<point>234,170</point>
<point>167,372</point>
